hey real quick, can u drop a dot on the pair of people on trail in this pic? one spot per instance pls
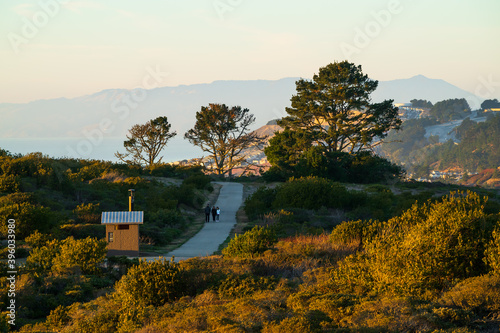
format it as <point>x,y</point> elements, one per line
<point>215,213</point>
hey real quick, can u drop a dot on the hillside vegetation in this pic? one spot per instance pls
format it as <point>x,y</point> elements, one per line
<point>476,147</point>
<point>412,261</point>
<point>56,205</point>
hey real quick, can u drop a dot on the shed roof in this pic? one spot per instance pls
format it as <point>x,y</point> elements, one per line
<point>122,217</point>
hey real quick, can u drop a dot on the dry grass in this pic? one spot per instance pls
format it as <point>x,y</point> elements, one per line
<point>293,256</point>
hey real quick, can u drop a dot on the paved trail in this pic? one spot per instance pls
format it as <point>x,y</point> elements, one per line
<point>208,239</point>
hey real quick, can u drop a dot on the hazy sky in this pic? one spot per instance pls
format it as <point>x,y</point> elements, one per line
<point>65,48</point>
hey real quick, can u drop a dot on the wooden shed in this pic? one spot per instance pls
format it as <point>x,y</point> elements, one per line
<point>122,232</point>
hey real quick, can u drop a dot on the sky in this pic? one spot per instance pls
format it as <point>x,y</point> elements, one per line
<point>64,48</point>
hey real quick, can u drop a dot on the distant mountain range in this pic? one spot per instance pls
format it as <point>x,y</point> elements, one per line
<point>421,87</point>
<point>114,111</point>
<point>110,113</point>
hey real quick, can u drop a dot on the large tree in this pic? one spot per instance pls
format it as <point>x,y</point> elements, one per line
<point>224,133</point>
<point>450,109</point>
<point>490,104</point>
<point>330,122</point>
<point>145,142</point>
<point>336,110</point>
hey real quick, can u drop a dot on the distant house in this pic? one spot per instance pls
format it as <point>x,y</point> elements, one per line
<point>122,232</point>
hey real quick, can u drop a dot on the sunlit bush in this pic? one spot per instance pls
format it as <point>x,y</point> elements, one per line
<point>493,252</point>
<point>92,171</point>
<point>480,294</point>
<point>86,254</point>
<point>241,285</point>
<point>151,283</point>
<point>296,324</point>
<point>41,258</point>
<point>88,213</point>
<point>426,248</point>
<point>37,239</point>
<point>349,231</point>
<point>58,317</point>
<point>310,193</point>
<point>250,243</point>
<point>9,183</point>
<point>28,217</point>
<point>62,256</point>
<point>98,316</point>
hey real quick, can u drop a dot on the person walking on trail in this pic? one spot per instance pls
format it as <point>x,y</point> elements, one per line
<point>207,213</point>
<point>214,213</point>
<point>218,213</point>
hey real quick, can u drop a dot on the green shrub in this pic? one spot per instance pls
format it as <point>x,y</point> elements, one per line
<point>81,231</point>
<point>425,248</point>
<point>186,194</point>
<point>95,318</point>
<point>163,217</point>
<point>86,254</point>
<point>17,198</point>
<point>41,258</point>
<point>250,243</point>
<point>349,231</point>
<point>201,275</point>
<point>452,316</point>
<point>492,255</point>
<point>163,170</point>
<point>296,324</point>
<point>37,239</point>
<point>355,199</point>
<point>365,167</point>
<point>199,181</point>
<point>240,286</point>
<point>28,217</point>
<point>88,213</point>
<point>9,183</point>
<point>480,294</point>
<point>157,235</point>
<point>260,202</point>
<point>92,171</point>
<point>456,330</point>
<point>151,283</point>
<point>310,193</point>
<point>58,317</point>
<point>62,256</point>
<point>4,323</point>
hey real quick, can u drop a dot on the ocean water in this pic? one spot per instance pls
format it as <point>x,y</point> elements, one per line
<point>177,148</point>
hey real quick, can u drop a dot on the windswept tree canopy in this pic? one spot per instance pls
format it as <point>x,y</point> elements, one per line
<point>145,142</point>
<point>223,132</point>
<point>336,110</point>
<point>331,127</point>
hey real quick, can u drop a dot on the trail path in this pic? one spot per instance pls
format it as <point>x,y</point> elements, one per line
<point>208,239</point>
